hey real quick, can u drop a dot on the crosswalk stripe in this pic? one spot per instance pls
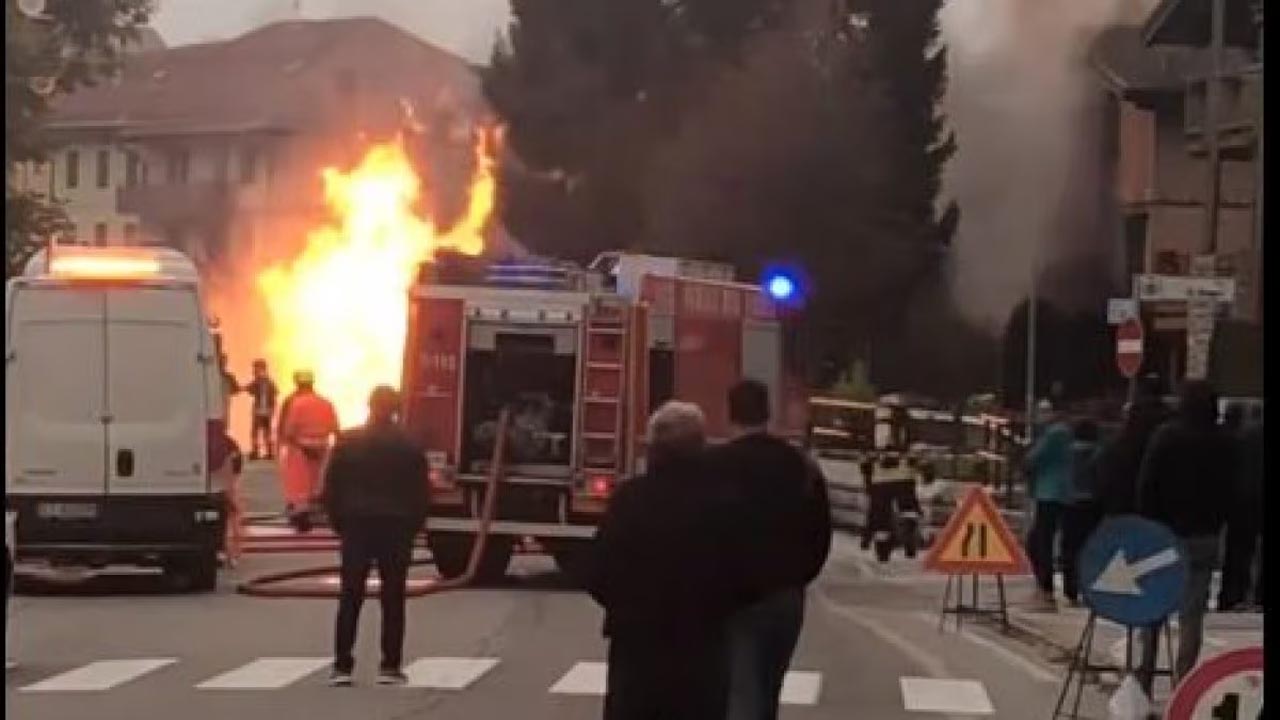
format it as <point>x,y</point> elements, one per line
<point>268,673</point>
<point>448,673</point>
<point>588,678</point>
<point>954,697</point>
<point>801,688</point>
<point>584,678</point>
<point>100,675</point>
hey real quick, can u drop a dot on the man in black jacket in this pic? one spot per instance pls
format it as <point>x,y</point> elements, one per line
<point>375,493</point>
<point>785,523</point>
<point>1184,483</point>
<point>1121,457</point>
<point>1244,522</point>
<point>662,567</point>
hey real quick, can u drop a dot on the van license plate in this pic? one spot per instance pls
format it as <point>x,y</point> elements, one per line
<point>67,511</point>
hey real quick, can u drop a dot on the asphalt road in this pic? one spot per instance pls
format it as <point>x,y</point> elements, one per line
<point>124,647</point>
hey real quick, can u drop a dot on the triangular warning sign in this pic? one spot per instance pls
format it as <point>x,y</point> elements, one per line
<point>976,540</point>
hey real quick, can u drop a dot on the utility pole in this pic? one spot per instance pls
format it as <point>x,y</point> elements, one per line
<point>1201,313</point>
<point>1258,155</point>
<point>1031,342</point>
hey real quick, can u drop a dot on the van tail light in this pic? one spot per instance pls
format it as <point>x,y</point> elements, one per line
<point>440,479</point>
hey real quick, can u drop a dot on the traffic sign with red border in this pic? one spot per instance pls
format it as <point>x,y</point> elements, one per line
<point>1129,347</point>
<point>1225,687</point>
<point>977,541</point>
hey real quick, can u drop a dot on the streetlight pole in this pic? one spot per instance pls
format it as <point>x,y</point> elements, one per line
<point>1031,342</point>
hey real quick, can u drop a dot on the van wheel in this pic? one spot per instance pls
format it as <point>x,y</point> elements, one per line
<point>204,572</point>
<point>194,573</point>
<point>450,551</point>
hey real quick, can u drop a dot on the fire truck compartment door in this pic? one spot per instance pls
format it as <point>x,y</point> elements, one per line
<point>762,358</point>
<point>484,335</point>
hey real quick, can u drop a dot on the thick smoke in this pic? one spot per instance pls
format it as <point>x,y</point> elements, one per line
<point>1026,109</point>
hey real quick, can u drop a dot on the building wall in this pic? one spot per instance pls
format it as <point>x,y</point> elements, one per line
<point>1160,179</point>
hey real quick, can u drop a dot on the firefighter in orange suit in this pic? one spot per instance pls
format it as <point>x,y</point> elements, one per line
<point>308,427</point>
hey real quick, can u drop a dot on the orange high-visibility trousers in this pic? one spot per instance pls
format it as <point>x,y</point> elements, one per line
<point>309,424</point>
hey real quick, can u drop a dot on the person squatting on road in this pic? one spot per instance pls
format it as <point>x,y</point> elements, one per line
<point>1184,483</point>
<point>308,423</point>
<point>375,494</point>
<point>262,391</point>
<point>1048,469</point>
<point>663,566</point>
<point>785,523</point>
<point>1082,511</point>
<point>1244,523</point>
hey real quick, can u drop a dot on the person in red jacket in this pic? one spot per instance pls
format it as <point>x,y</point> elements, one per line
<point>308,427</point>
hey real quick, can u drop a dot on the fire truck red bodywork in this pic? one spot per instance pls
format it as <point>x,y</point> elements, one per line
<point>682,338</point>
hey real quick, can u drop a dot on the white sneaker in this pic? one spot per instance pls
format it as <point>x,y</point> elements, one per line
<point>340,679</point>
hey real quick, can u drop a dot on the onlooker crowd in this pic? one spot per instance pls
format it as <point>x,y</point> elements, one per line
<point>1190,471</point>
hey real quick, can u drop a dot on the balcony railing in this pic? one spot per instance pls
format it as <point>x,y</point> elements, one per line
<point>1239,102</point>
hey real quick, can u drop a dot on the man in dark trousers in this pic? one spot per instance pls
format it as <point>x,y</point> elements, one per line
<point>1185,483</point>
<point>375,493</point>
<point>1244,522</point>
<point>663,568</point>
<point>785,523</point>
<point>262,390</point>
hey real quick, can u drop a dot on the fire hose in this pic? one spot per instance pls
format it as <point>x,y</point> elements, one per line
<point>269,585</point>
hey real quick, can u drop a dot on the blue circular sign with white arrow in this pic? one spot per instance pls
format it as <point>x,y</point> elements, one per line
<point>1133,571</point>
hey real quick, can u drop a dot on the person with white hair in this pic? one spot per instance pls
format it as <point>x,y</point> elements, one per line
<point>661,568</point>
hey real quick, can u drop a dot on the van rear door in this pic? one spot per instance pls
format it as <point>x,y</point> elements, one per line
<point>55,432</point>
<point>156,391</point>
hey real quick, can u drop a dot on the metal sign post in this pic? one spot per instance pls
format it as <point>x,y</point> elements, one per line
<point>1132,572</point>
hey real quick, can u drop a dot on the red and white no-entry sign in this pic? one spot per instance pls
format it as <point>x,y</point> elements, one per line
<point>1129,347</point>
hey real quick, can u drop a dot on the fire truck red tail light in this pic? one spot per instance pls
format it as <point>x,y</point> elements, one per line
<point>438,479</point>
<point>600,484</point>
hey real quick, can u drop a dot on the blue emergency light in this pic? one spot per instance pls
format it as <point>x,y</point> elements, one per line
<point>783,286</point>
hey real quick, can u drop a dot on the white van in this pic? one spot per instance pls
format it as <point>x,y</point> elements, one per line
<point>113,389</point>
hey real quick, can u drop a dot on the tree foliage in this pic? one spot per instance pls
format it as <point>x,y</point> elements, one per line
<point>750,131</point>
<point>73,43</point>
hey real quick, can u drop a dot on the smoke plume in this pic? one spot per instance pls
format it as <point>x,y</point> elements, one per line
<point>1029,172</point>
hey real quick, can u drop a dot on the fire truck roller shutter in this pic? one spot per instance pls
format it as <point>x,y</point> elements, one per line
<point>762,359</point>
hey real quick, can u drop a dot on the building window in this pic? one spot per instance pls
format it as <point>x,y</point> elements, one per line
<point>130,233</point>
<point>248,165</point>
<point>179,167</point>
<point>104,169</point>
<point>222,166</point>
<point>100,234</point>
<point>132,169</point>
<point>73,169</point>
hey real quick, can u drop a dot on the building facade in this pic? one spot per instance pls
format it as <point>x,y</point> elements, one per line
<point>217,148</point>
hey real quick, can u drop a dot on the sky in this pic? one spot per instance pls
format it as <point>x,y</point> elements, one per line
<point>464,27</point>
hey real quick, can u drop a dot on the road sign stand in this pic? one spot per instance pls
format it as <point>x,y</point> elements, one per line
<point>960,610</point>
<point>1081,665</point>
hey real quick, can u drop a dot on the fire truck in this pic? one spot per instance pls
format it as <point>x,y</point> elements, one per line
<point>581,357</point>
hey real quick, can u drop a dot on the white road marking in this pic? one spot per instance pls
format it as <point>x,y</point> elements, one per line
<point>269,673</point>
<point>584,678</point>
<point>801,688</point>
<point>1023,663</point>
<point>100,675</point>
<point>962,697</point>
<point>448,673</point>
<point>589,678</point>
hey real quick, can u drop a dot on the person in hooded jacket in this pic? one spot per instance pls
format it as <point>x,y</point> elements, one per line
<point>1048,466</point>
<point>1082,511</point>
<point>662,566</point>
<point>1188,464</point>
<point>1121,457</point>
<point>1244,522</point>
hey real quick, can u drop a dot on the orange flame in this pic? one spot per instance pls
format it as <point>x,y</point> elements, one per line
<point>340,308</point>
